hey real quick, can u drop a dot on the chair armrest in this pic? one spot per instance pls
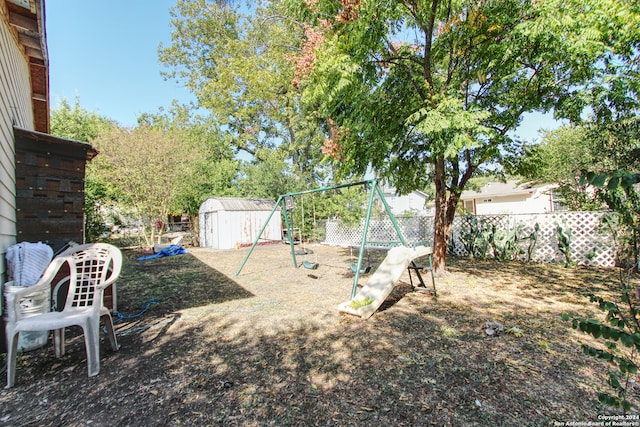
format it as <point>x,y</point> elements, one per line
<point>106,284</point>
<point>111,280</point>
<point>101,288</point>
<point>13,298</point>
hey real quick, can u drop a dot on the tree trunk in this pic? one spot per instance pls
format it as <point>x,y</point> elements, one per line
<point>440,228</point>
<point>444,215</point>
<point>195,230</point>
<point>150,241</point>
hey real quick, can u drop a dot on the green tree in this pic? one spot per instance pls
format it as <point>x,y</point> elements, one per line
<point>212,172</point>
<point>431,91</point>
<point>77,123</point>
<point>566,153</point>
<point>560,158</point>
<point>236,61</point>
<point>145,166</point>
<point>80,124</point>
<point>269,178</point>
<point>611,99</point>
<point>605,136</point>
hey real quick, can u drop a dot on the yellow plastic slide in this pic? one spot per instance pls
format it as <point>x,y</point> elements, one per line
<point>371,296</point>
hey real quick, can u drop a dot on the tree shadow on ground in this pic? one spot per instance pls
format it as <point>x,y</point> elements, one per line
<point>420,361</point>
<point>402,368</point>
<point>182,281</point>
<point>541,279</point>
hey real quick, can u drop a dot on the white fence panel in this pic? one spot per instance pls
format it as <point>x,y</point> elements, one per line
<point>590,244</point>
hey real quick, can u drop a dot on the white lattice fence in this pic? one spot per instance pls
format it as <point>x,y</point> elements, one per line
<point>381,232</point>
<point>589,245</point>
<point>340,234</point>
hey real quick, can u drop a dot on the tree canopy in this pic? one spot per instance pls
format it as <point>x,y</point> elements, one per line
<point>420,93</point>
<point>236,61</point>
<point>211,171</point>
<point>605,135</point>
<point>143,164</point>
<point>430,91</point>
<point>77,123</point>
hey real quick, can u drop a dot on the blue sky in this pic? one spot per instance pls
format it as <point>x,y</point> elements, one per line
<point>106,53</point>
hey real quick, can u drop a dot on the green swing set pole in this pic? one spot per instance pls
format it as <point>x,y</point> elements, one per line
<point>255,242</point>
<point>363,243</point>
<point>318,190</point>
<point>404,242</point>
<point>288,224</point>
<point>391,216</point>
<point>281,199</point>
<point>333,187</point>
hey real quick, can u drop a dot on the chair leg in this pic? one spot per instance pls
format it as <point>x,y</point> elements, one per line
<point>108,323</point>
<point>92,345</point>
<point>58,342</point>
<point>12,350</point>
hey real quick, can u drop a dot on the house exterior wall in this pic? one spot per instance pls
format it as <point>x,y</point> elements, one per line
<point>516,204</point>
<point>413,202</point>
<point>15,109</point>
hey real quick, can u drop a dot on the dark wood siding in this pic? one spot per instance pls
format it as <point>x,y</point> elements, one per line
<point>50,188</point>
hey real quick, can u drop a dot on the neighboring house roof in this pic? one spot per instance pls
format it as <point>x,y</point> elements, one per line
<point>26,19</point>
<point>392,191</point>
<point>502,189</point>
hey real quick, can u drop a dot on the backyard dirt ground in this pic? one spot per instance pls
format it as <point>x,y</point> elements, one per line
<point>269,347</point>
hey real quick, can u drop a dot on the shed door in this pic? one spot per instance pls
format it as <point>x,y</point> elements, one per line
<point>210,228</point>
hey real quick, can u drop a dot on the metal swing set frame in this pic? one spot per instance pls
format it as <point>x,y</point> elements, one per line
<point>375,189</point>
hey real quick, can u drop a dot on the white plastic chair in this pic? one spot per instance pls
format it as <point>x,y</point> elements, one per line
<point>92,267</point>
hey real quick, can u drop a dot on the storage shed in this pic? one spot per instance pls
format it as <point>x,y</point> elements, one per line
<point>50,183</point>
<point>227,223</point>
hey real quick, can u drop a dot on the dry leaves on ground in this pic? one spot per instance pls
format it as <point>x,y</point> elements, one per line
<point>269,347</point>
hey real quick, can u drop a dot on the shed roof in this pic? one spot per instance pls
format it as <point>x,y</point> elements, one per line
<point>214,204</point>
<point>56,144</point>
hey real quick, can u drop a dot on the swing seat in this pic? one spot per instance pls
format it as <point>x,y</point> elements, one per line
<point>363,270</point>
<point>310,265</point>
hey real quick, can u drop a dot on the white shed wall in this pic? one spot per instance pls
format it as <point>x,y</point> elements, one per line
<point>15,109</point>
<point>208,223</point>
<point>230,229</point>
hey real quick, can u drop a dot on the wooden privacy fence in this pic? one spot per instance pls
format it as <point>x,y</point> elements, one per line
<point>590,244</point>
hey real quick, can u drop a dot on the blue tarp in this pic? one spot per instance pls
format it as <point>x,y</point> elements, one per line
<point>170,251</point>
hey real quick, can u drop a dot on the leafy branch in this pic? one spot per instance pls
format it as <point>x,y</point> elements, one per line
<point>621,324</point>
<point>618,328</point>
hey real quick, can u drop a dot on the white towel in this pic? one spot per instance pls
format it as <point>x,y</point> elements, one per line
<point>27,261</point>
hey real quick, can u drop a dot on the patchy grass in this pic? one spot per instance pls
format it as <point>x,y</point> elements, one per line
<point>270,348</point>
